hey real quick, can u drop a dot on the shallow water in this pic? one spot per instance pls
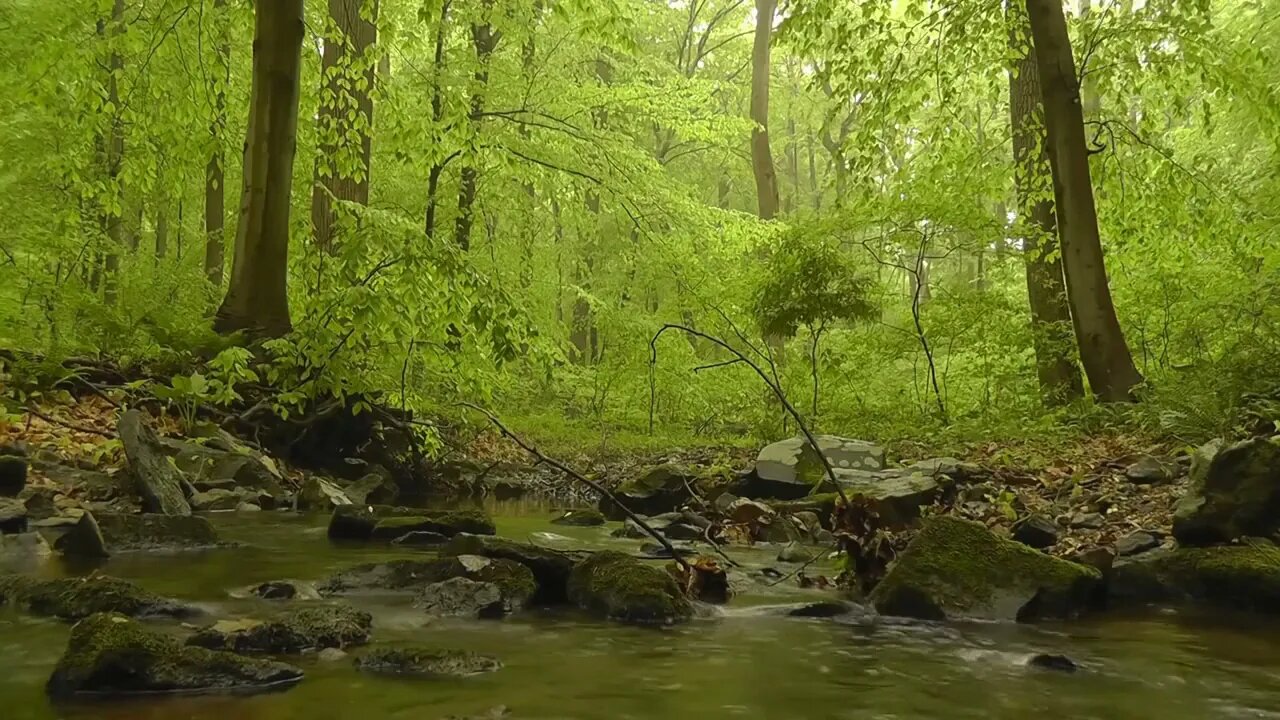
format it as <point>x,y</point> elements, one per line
<point>742,664</point>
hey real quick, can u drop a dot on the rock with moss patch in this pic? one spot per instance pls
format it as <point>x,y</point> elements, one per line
<point>619,587</point>
<point>296,631</point>
<point>222,462</point>
<point>75,598</point>
<point>582,517</point>
<point>515,581</point>
<point>124,533</point>
<point>955,569</point>
<point>111,655</point>
<point>550,568</point>
<point>790,469</point>
<point>318,493</point>
<point>157,479</point>
<point>426,663</point>
<point>1242,577</point>
<point>1234,493</point>
<point>660,489</point>
<point>379,522</point>
<point>460,597</point>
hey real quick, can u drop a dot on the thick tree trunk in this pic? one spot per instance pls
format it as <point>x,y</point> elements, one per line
<point>1056,368</point>
<point>215,210</point>
<point>437,114</point>
<point>485,40</point>
<point>1107,362</point>
<point>257,299</point>
<point>761,158</point>
<point>347,75</point>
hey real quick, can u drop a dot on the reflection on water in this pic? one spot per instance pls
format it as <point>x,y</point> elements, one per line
<point>560,665</point>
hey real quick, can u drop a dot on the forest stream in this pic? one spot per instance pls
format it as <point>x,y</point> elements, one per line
<point>739,660</point>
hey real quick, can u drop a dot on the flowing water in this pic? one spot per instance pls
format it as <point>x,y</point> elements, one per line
<point>744,663</point>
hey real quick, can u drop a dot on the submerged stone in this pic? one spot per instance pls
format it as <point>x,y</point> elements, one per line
<point>75,598</point>
<point>1234,493</point>
<point>1056,663</point>
<point>111,655</point>
<point>1240,577</point>
<point>426,663</point>
<point>955,568</point>
<point>296,631</point>
<point>619,587</point>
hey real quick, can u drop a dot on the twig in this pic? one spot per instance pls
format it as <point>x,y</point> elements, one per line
<point>506,432</point>
<point>801,569</point>
<point>69,425</point>
<point>713,366</point>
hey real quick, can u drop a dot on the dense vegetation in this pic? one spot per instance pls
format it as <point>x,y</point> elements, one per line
<point>502,202</point>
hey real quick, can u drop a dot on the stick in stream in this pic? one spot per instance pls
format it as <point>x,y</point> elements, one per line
<point>506,432</point>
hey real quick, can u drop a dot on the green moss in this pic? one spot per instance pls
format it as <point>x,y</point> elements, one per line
<point>448,523</point>
<point>75,598</point>
<point>959,568</point>
<point>550,568</point>
<point>426,663</point>
<point>1243,577</point>
<point>111,654</point>
<point>312,628</point>
<point>516,581</point>
<point>619,587</point>
<point>1234,493</point>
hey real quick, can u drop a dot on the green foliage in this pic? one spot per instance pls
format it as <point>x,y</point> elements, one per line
<point>809,283</point>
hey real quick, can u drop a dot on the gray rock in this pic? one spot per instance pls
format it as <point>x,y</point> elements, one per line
<point>110,655</point>
<point>23,550</point>
<point>40,502</point>
<point>630,529</point>
<point>124,533</point>
<point>661,489</point>
<point>279,590</point>
<point>1234,493</point>
<point>225,463</point>
<point>76,598</point>
<point>1036,531</point>
<point>1235,577</point>
<point>295,631</point>
<point>211,500</point>
<point>331,655</point>
<point>158,481</point>
<point>619,587</point>
<point>724,501</point>
<point>247,507</point>
<point>426,663</point>
<point>13,475</point>
<point>1148,470</point>
<point>580,518</point>
<point>1056,663</point>
<point>460,597</point>
<point>1101,558</point>
<point>318,493</point>
<point>84,539</point>
<point>795,553</point>
<point>1135,543</point>
<point>13,516</point>
<point>421,538</point>
<point>376,488</point>
<point>681,531</point>
<point>1088,521</point>
<point>550,568</point>
<point>789,469</point>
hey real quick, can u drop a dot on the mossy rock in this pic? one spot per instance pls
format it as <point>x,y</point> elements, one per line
<point>659,490</point>
<point>75,598</point>
<point>1242,577</point>
<point>549,568</point>
<point>111,655</point>
<point>582,517</point>
<point>120,532</point>
<point>296,631</point>
<point>619,587</point>
<point>426,663</point>
<point>515,580</point>
<point>956,569</point>
<point>1234,493</point>
<point>378,522</point>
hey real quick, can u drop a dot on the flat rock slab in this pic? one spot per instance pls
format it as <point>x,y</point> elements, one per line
<point>75,598</point>
<point>124,533</point>
<point>295,631</point>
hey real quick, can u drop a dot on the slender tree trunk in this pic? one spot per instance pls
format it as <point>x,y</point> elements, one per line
<point>1056,368</point>
<point>215,212</point>
<point>583,334</point>
<point>162,214</point>
<point>437,115</point>
<point>1107,361</point>
<point>761,159</point>
<point>113,156</point>
<point>348,71</point>
<point>528,56</point>
<point>257,299</point>
<point>814,190</point>
<point>485,40</point>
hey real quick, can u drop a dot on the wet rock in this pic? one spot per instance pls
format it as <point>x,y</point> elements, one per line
<point>124,533</point>
<point>460,597</point>
<point>621,588</point>
<point>318,493</point>
<point>808,521</point>
<point>1088,521</point>
<point>779,529</point>
<point>1101,558</point>
<point>550,568</point>
<point>680,531</point>
<point>426,663</point>
<point>376,488</point>
<point>211,500</point>
<point>516,581</point>
<point>13,516</point>
<point>352,522</point>
<point>1148,470</point>
<point>661,489</point>
<point>959,569</point>
<point>331,655</point>
<point>296,631</point>
<point>275,590</point>
<point>818,609</point>
<point>248,507</point>
<point>421,538</point>
<point>795,553</point>
<point>447,523</point>
<point>75,598</point>
<point>630,529</point>
<point>1135,543</point>
<point>724,501</point>
<point>13,475</point>
<point>1234,493</point>
<point>1036,531</point>
<point>654,551</point>
<point>510,488</point>
<point>790,469</point>
<point>1056,663</point>
<point>1239,577</point>
<point>580,518</point>
<point>22,550</point>
<point>225,463</point>
<point>110,655</point>
<point>40,503</point>
<point>158,481</point>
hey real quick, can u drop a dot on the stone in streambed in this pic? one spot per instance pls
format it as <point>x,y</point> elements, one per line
<point>514,580</point>
<point>358,522</point>
<point>13,517</point>
<point>124,533</point>
<point>550,568</point>
<point>1056,663</point>
<point>955,569</point>
<point>213,500</point>
<point>421,538</point>
<point>157,479</point>
<point>13,475</point>
<point>318,493</point>
<point>796,553</point>
<point>1135,543</point>
<point>460,597</point>
<point>23,550</point>
<point>111,655</point>
<point>375,488</point>
<point>660,489</point>
<point>426,663</point>
<point>1234,493</point>
<point>1036,531</point>
<point>75,598</point>
<point>84,539</point>
<point>296,631</point>
<point>619,587</point>
<point>584,517</point>
<point>1238,577</point>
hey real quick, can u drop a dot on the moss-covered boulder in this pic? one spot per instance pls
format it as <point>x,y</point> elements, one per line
<point>956,569</point>
<point>1234,493</point>
<point>426,663</point>
<point>111,655</point>
<point>460,597</point>
<point>378,522</point>
<point>1243,577</point>
<point>75,598</point>
<point>582,517</point>
<point>514,580</point>
<point>296,631</point>
<point>658,490</point>
<point>619,587</point>
<point>550,568</point>
<point>119,532</point>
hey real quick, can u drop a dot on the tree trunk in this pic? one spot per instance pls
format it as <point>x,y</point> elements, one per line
<point>761,158</point>
<point>1059,376</point>
<point>437,114</point>
<point>215,212</point>
<point>257,299</point>
<point>347,74</point>
<point>1107,362</point>
<point>486,40</point>
<point>112,156</point>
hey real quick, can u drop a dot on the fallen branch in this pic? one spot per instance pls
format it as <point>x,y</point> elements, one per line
<point>638,520</point>
<point>68,425</point>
